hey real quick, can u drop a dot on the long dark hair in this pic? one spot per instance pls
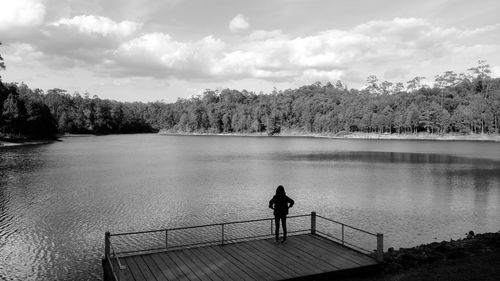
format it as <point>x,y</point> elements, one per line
<point>280,190</point>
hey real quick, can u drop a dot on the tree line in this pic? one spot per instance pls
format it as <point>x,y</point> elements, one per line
<point>28,113</point>
<point>455,103</point>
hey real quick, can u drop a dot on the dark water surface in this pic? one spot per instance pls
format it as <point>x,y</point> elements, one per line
<point>57,200</point>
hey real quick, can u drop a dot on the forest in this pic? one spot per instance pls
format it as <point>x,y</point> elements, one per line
<point>466,103</point>
<point>457,103</point>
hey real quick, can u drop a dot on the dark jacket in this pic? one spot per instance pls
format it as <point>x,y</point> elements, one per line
<point>280,203</point>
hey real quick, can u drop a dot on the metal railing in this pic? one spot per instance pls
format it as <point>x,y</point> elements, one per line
<point>221,233</point>
<point>342,239</point>
<point>224,237</point>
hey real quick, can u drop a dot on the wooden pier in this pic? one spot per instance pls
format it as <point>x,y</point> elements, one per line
<point>308,254</point>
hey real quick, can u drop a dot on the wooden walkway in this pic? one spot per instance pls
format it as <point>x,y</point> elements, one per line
<point>304,256</point>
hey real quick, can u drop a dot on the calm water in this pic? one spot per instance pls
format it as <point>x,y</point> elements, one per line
<point>57,200</point>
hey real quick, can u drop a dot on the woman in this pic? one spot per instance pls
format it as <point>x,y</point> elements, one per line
<point>280,203</point>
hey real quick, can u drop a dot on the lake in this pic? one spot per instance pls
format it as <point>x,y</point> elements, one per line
<point>57,200</point>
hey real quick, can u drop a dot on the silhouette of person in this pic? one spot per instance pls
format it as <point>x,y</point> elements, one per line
<point>280,203</point>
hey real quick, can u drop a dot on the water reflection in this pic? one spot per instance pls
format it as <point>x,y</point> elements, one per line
<point>383,157</point>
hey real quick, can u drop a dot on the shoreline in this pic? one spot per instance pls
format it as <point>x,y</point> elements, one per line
<point>286,134</point>
<point>367,136</point>
<point>5,144</point>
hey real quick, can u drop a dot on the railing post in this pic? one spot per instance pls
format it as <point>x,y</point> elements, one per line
<point>313,223</point>
<point>166,238</point>
<point>271,220</point>
<point>107,244</point>
<point>222,234</point>
<point>342,234</point>
<point>380,247</point>
<point>122,272</point>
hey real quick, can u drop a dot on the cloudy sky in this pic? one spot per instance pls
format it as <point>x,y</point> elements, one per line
<point>147,50</point>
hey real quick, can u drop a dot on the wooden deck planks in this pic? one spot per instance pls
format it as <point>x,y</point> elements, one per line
<point>246,256</point>
<point>255,273</point>
<point>153,261</point>
<point>232,268</point>
<point>334,255</point>
<point>146,269</point>
<point>272,258</point>
<point>217,267</point>
<point>258,254</point>
<point>277,260</point>
<point>347,253</point>
<point>310,262</point>
<point>301,255</point>
<point>345,256</point>
<point>184,267</point>
<point>205,266</point>
<point>134,269</point>
<point>308,252</point>
<point>291,262</point>
<point>172,266</point>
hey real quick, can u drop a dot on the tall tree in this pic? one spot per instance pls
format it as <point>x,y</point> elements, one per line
<point>445,82</point>
<point>481,77</point>
<point>372,84</point>
<point>387,87</point>
<point>415,84</point>
<point>12,115</point>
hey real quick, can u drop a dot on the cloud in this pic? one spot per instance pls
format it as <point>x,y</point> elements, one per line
<point>157,54</point>
<point>397,73</point>
<point>313,75</point>
<point>395,49</point>
<point>78,41</point>
<point>239,23</point>
<point>91,24</point>
<point>21,13</point>
<point>495,72</point>
<point>266,34</point>
<point>327,55</point>
<point>20,52</point>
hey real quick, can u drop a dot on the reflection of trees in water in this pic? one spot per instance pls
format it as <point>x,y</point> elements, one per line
<point>480,175</point>
<point>444,182</point>
<point>470,189</point>
<point>7,218</point>
<point>7,174</point>
<point>18,166</point>
<point>384,157</point>
<point>21,159</point>
<point>486,182</point>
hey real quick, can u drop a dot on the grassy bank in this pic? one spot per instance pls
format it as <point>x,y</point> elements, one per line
<point>476,258</point>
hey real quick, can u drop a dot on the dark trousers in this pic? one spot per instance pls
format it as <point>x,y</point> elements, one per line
<point>277,219</point>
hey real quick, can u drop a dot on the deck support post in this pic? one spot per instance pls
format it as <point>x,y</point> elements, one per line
<point>107,244</point>
<point>222,234</point>
<point>313,223</point>
<point>380,247</point>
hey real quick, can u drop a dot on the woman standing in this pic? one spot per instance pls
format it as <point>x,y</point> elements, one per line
<point>280,203</point>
